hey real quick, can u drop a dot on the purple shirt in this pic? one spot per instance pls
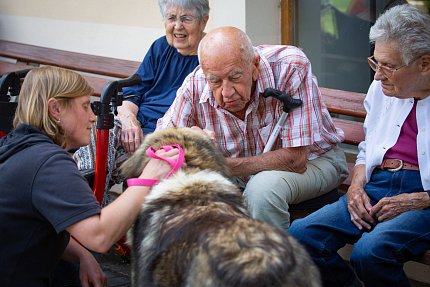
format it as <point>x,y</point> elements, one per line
<point>406,145</point>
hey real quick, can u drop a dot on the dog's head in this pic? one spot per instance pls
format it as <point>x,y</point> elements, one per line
<point>199,150</point>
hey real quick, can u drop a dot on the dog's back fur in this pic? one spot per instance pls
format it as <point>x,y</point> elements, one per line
<point>194,229</point>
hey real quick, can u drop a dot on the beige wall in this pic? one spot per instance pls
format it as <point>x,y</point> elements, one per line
<point>122,28</point>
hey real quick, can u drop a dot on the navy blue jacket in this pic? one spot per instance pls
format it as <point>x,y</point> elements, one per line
<point>41,194</point>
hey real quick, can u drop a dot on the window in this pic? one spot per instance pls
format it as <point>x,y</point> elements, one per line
<point>334,36</point>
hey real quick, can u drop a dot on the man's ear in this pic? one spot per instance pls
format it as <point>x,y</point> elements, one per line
<point>54,109</point>
<point>205,21</point>
<point>425,63</point>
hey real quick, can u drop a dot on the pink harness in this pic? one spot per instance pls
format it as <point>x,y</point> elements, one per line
<point>151,152</point>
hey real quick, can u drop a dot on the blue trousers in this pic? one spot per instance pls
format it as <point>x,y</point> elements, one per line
<point>378,254</point>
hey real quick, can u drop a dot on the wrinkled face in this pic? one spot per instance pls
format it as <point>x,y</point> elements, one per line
<point>184,30</point>
<point>402,81</point>
<point>77,120</point>
<point>231,80</point>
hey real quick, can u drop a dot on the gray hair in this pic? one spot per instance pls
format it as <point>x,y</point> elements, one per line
<point>200,6</point>
<point>408,26</point>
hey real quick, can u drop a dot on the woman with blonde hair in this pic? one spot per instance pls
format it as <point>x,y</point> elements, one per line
<point>48,210</point>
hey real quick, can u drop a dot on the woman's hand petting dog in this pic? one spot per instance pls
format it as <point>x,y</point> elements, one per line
<point>157,168</point>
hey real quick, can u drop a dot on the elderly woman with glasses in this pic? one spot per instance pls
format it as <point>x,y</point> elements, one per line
<point>169,60</point>
<point>385,212</point>
<point>166,64</point>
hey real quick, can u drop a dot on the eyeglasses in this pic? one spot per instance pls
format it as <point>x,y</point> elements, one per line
<point>386,71</point>
<point>184,19</point>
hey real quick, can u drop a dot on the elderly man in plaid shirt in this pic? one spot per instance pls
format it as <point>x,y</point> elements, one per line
<point>223,96</point>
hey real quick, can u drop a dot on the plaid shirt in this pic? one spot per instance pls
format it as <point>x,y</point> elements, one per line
<point>284,68</point>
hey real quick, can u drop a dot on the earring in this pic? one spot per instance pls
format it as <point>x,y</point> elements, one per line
<point>58,121</point>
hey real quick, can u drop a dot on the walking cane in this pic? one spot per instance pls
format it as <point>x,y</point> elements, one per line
<point>289,105</point>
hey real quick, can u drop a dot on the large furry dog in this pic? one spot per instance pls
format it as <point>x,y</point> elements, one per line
<point>194,229</point>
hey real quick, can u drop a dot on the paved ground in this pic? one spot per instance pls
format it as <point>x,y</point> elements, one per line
<point>117,270</point>
<point>115,267</point>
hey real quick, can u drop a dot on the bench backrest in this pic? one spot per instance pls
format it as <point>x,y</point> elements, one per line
<point>98,65</point>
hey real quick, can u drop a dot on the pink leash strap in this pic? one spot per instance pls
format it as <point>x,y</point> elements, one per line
<point>175,164</point>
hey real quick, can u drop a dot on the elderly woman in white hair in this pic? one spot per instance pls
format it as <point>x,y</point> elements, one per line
<point>385,212</point>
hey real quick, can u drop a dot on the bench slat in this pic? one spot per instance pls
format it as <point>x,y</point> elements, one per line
<point>72,60</point>
<point>354,133</point>
<point>6,67</point>
<point>338,103</point>
<point>95,82</point>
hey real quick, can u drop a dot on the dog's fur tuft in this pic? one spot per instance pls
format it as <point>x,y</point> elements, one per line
<point>194,229</point>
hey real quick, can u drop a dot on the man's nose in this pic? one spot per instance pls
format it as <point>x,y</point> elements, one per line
<point>379,75</point>
<point>227,89</point>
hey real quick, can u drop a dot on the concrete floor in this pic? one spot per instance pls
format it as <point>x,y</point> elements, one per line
<point>116,269</point>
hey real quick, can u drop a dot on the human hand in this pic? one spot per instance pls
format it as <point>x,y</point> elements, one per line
<point>206,132</point>
<point>359,207</point>
<point>293,159</point>
<point>389,207</point>
<point>158,168</point>
<point>131,133</point>
<point>90,272</point>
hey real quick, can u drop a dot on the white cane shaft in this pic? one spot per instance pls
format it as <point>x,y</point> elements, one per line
<point>275,132</point>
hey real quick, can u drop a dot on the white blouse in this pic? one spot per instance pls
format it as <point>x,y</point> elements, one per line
<point>384,119</point>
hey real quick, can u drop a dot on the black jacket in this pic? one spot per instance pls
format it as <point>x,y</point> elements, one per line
<point>41,194</point>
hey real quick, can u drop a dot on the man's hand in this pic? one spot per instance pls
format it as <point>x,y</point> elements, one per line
<point>206,132</point>
<point>295,160</point>
<point>359,207</point>
<point>389,207</point>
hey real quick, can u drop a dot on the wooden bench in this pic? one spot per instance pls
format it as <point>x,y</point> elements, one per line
<point>97,65</point>
<point>348,114</point>
<point>97,70</point>
<point>95,82</point>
